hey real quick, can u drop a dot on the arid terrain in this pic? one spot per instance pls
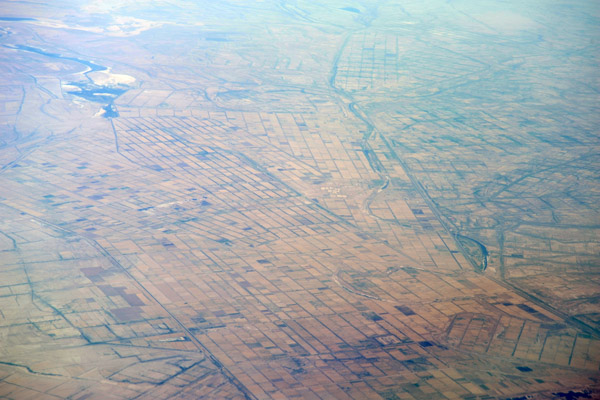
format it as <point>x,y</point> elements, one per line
<point>296,199</point>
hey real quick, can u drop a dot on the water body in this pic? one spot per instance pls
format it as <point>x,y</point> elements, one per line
<point>95,93</point>
<point>93,67</point>
<point>89,91</point>
<point>475,251</point>
<point>110,111</point>
<point>99,94</point>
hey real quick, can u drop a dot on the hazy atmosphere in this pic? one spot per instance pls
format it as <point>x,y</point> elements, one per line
<point>300,199</point>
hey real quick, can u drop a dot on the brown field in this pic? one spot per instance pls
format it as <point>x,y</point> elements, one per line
<point>295,200</point>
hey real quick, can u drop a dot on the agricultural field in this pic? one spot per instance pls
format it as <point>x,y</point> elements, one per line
<point>294,199</point>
